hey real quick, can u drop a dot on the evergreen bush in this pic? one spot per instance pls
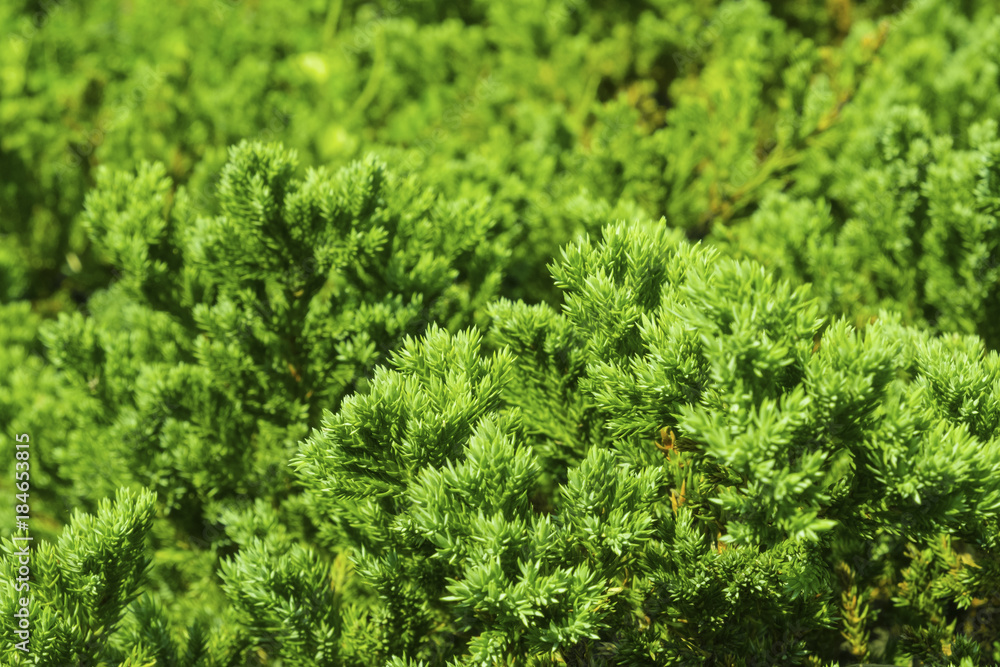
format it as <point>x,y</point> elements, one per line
<point>895,207</point>
<point>344,336</point>
<point>197,372</point>
<point>686,465</point>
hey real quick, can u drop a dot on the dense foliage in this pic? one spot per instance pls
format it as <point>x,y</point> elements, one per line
<point>529,333</point>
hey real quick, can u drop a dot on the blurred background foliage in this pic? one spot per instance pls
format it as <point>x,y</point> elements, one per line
<point>564,113</point>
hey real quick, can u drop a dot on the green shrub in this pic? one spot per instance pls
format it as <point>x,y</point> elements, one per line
<point>686,465</point>
<point>563,112</point>
<point>896,207</point>
<point>669,454</point>
<point>755,484</point>
<point>197,372</point>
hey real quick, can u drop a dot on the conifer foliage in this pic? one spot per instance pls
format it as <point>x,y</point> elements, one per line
<point>224,334</point>
<point>82,585</point>
<point>198,371</point>
<point>796,452</point>
<point>685,465</point>
<point>345,336</point>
